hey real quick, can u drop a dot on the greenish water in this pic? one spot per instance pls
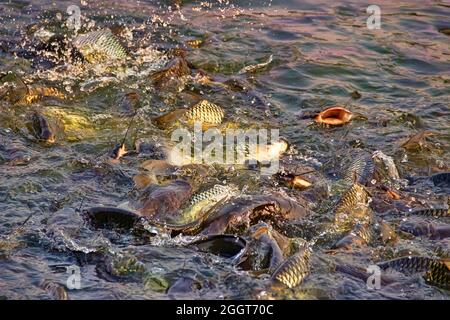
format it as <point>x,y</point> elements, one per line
<point>322,52</point>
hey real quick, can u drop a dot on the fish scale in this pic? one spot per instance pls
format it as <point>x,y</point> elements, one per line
<point>216,191</point>
<point>352,198</point>
<point>362,167</point>
<point>441,179</point>
<point>205,111</point>
<point>410,264</point>
<point>432,212</point>
<point>100,46</point>
<point>437,271</point>
<point>294,269</point>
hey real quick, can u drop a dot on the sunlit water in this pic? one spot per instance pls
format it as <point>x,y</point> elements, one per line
<point>322,52</point>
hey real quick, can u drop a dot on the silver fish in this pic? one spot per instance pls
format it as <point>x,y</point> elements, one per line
<point>100,46</point>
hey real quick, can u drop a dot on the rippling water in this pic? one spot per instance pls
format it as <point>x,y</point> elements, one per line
<point>322,53</point>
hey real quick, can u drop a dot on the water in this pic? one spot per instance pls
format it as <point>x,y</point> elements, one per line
<point>322,52</point>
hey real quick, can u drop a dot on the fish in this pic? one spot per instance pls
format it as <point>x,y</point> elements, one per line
<point>387,233</point>
<point>255,67</point>
<point>431,212</point>
<point>352,208</point>
<point>361,169</point>
<point>202,201</point>
<point>360,235</point>
<point>294,269</point>
<point>205,112</point>
<point>389,165</point>
<point>418,140</point>
<point>42,128</point>
<point>100,46</point>
<point>13,88</point>
<point>334,116</point>
<point>441,179</point>
<point>265,238</point>
<point>436,270</point>
<point>55,290</point>
<point>176,69</point>
<point>423,228</point>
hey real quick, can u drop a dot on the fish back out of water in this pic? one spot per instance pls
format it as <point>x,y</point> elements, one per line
<point>388,165</point>
<point>360,170</point>
<point>352,206</point>
<point>55,290</point>
<point>206,112</point>
<point>100,46</point>
<point>12,88</point>
<point>42,128</point>
<point>439,274</point>
<point>218,191</point>
<point>203,201</point>
<point>294,269</point>
<point>432,212</point>
<point>441,179</point>
<point>437,271</point>
<point>409,264</point>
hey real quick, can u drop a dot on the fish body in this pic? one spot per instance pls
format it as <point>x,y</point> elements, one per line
<point>206,112</point>
<point>100,46</point>
<point>352,208</point>
<point>203,201</point>
<point>360,170</point>
<point>388,163</point>
<point>294,269</point>
<point>441,179</point>
<point>436,271</point>
<point>42,128</point>
<point>253,68</point>
<point>432,212</point>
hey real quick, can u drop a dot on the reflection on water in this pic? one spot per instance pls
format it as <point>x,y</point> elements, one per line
<point>323,54</point>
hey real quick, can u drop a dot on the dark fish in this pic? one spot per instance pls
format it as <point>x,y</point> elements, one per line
<point>361,273</point>
<point>42,128</point>
<point>361,235</point>
<point>292,271</point>
<point>441,179</point>
<point>243,211</point>
<point>183,287</point>
<point>110,217</point>
<point>360,170</point>
<point>431,212</point>
<point>227,246</point>
<point>12,88</point>
<point>266,248</point>
<point>163,201</point>
<point>100,46</point>
<point>177,68</point>
<point>437,271</point>
<point>387,233</point>
<point>423,228</point>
